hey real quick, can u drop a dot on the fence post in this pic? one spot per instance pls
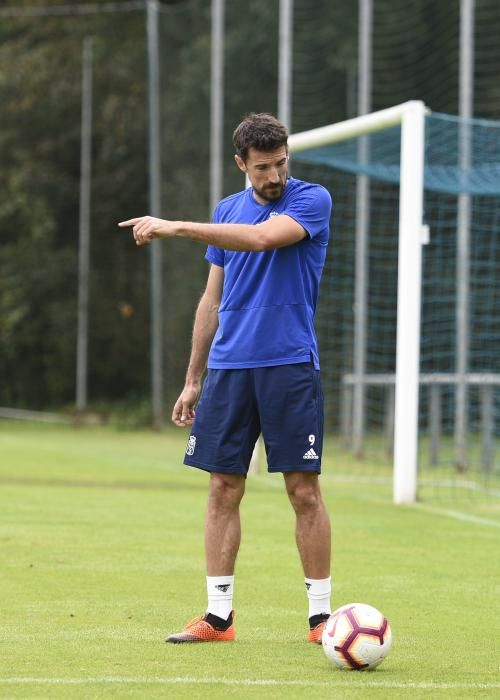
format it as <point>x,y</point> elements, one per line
<point>487,427</point>
<point>434,422</point>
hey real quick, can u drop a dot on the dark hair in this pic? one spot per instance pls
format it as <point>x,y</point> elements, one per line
<point>261,131</point>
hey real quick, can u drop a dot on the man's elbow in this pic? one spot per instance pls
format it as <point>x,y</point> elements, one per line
<point>208,303</point>
<point>211,304</point>
<point>268,238</point>
<point>262,243</point>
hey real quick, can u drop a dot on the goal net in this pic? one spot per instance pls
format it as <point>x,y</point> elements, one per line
<point>408,318</point>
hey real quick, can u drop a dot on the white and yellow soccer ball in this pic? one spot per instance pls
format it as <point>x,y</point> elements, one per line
<point>357,637</point>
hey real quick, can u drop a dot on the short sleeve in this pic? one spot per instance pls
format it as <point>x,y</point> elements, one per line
<point>311,208</point>
<point>215,255</point>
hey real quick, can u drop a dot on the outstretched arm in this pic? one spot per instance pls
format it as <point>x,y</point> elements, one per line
<point>205,325</point>
<point>276,232</point>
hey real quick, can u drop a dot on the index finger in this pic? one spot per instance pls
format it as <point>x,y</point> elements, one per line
<point>130,222</point>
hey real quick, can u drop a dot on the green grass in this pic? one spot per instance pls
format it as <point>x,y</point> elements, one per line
<point>101,555</point>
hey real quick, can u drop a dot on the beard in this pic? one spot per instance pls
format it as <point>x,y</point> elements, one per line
<point>271,193</point>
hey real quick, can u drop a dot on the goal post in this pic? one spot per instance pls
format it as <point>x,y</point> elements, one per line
<point>410,116</point>
<point>409,303</point>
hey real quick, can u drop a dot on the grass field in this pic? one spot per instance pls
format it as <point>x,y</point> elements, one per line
<point>102,555</point>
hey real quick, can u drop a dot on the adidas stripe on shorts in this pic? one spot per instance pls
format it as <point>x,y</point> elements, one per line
<point>284,403</point>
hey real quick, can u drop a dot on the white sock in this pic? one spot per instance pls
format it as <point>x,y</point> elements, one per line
<point>318,592</point>
<point>220,595</point>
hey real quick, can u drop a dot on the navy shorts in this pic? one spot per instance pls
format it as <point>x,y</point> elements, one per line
<point>284,403</point>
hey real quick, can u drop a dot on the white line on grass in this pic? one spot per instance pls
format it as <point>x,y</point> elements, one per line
<point>435,510</point>
<point>458,515</point>
<point>372,479</point>
<point>455,514</point>
<point>364,682</point>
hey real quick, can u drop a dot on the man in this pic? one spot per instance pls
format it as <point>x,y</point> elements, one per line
<point>254,323</point>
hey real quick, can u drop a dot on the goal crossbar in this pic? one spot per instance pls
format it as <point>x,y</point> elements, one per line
<point>352,128</point>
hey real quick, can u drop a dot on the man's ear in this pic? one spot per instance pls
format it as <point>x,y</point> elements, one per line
<point>240,163</point>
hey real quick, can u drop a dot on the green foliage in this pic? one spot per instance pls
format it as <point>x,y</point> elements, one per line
<point>39,180</point>
<point>415,56</point>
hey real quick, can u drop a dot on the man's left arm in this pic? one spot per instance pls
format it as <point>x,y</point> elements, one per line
<point>277,232</point>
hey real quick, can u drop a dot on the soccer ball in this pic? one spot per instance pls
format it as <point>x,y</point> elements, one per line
<point>357,636</point>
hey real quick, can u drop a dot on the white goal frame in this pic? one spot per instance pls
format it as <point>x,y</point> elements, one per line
<point>411,117</point>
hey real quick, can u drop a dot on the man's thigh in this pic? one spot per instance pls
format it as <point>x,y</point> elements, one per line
<point>226,424</point>
<point>290,403</point>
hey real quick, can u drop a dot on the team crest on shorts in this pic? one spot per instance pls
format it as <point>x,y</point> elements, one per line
<point>191,445</point>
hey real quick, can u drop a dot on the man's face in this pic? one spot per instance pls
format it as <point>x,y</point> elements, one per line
<point>267,172</point>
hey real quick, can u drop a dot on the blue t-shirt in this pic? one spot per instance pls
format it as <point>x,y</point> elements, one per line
<point>269,298</point>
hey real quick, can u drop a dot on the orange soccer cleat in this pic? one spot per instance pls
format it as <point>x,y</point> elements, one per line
<point>205,629</point>
<point>317,623</point>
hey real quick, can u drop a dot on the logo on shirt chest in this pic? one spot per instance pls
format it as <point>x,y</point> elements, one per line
<point>273,213</point>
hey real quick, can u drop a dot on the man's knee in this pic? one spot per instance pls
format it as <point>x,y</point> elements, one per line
<point>226,490</point>
<point>303,491</point>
